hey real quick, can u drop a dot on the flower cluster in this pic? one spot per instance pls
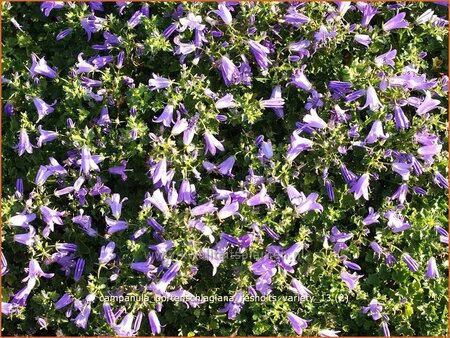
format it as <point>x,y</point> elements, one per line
<point>178,150</point>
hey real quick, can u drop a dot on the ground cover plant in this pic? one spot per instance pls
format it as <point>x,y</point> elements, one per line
<point>224,168</point>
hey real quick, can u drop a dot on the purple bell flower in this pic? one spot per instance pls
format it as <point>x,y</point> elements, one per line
<point>120,170</point>
<point>234,307</point>
<point>298,144</point>
<point>299,80</point>
<point>27,238</point>
<point>161,249</point>
<point>24,144</point>
<point>45,136</point>
<point>9,109</point>
<point>298,288</point>
<point>92,24</point>
<point>79,267</point>
<point>313,120</point>
<point>159,173</point>
<point>351,280</point>
<point>260,53</point>
<point>35,271</point>
<point>205,208</point>
<point>322,35</point>
<point>396,22</point>
<point>368,13</point>
<point>361,187</point>
<point>65,300</point>
<point>192,22</point>
<point>20,298</point>
<point>260,198</point>
<point>43,108</point>
<point>432,270</point>
<point>40,67</point>
<point>339,88</point>
<point>157,200</point>
<point>51,217</point>
<point>339,238</point>
<point>270,232</point>
<point>226,166</point>
<point>230,209</point>
<point>428,104</point>
<point>81,320</point>
<point>400,193</point>
<point>226,102</point>
<point>363,39</point>
<point>372,217</point>
<point>440,180</point>
<point>354,95</point>
<point>107,253</point>
<point>296,18</point>
<point>386,58</point>
<point>374,309</point>
<point>298,324</point>
<point>101,61</point>
<point>301,48</point>
<point>230,73</point>
<point>159,82</point>
<point>410,262</point>
<point>168,276</point>
<point>88,161</point>
<point>401,121</point>
<point>212,144</point>
<point>166,118</point>
<point>385,328</point>
<point>186,193</point>
<point>224,13</point>
<point>371,100</point>
<point>84,66</point>
<point>61,35</point>
<point>329,189</point>
<point>48,6</point>
<point>155,325</point>
<point>116,204</point>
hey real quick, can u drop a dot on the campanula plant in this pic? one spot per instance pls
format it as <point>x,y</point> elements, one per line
<point>224,168</point>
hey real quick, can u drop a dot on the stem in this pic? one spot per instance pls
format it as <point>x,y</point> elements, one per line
<point>98,271</point>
